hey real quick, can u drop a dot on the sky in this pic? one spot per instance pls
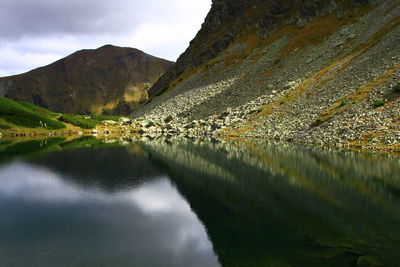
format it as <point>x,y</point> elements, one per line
<point>35,33</point>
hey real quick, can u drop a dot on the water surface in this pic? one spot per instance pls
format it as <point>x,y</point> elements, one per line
<point>182,203</point>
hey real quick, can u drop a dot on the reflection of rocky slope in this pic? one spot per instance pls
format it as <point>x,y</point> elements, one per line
<point>109,79</point>
<point>271,204</point>
<point>312,71</point>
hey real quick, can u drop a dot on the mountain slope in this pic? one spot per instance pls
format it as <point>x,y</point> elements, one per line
<point>21,114</point>
<point>22,118</point>
<point>309,71</point>
<point>106,80</point>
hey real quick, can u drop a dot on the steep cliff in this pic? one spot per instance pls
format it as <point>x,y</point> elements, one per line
<point>312,71</point>
<point>230,20</point>
<point>106,80</point>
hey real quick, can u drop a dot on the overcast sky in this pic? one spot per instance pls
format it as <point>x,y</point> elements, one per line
<point>35,33</point>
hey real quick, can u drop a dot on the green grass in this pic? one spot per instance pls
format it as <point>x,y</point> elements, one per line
<point>2,126</point>
<point>21,114</point>
<point>105,118</point>
<point>379,103</point>
<point>27,115</point>
<point>37,109</point>
<point>85,122</point>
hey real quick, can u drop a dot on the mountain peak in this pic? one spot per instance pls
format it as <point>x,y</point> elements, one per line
<point>109,79</point>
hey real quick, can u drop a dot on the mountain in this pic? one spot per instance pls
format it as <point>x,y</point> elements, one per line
<point>313,71</point>
<point>109,80</point>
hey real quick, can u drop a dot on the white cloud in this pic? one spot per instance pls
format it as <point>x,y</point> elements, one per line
<point>36,33</point>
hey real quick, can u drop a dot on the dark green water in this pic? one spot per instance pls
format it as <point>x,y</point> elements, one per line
<point>158,203</point>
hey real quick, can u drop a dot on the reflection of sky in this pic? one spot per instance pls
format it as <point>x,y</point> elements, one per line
<point>151,225</point>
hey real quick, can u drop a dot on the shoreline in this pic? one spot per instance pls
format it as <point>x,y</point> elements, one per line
<point>139,133</point>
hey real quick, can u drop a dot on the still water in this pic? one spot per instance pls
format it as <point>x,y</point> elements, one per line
<point>159,203</point>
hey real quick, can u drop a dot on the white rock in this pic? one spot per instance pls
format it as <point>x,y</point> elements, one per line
<point>109,122</point>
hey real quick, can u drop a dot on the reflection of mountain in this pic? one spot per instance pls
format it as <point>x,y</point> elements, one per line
<point>9,150</point>
<point>87,160</point>
<point>112,168</point>
<point>261,203</point>
<point>275,205</point>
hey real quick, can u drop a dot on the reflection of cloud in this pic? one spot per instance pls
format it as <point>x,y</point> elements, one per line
<point>157,197</point>
<point>33,184</point>
<point>152,223</point>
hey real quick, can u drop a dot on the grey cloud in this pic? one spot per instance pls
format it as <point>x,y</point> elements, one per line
<point>37,32</point>
<point>44,17</point>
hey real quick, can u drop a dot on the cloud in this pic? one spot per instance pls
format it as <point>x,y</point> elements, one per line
<point>52,29</point>
<point>46,17</point>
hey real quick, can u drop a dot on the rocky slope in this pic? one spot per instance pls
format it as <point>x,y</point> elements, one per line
<point>109,79</point>
<point>325,72</point>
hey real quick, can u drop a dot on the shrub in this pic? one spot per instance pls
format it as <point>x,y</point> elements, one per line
<point>343,103</point>
<point>379,103</point>
<point>79,120</point>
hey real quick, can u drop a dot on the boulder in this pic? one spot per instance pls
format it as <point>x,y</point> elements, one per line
<point>124,120</point>
<point>150,124</point>
<point>189,126</point>
<point>223,115</point>
<point>109,122</point>
<point>168,119</point>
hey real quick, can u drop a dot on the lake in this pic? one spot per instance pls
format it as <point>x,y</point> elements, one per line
<point>90,202</point>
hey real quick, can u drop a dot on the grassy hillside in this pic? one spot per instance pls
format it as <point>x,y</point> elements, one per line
<point>26,115</point>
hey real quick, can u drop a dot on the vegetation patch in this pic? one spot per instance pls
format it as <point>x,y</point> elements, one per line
<point>357,96</point>
<point>379,103</point>
<point>85,122</point>
<point>2,126</point>
<point>330,113</point>
<point>37,109</point>
<point>24,115</point>
<point>105,118</point>
<point>313,34</point>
